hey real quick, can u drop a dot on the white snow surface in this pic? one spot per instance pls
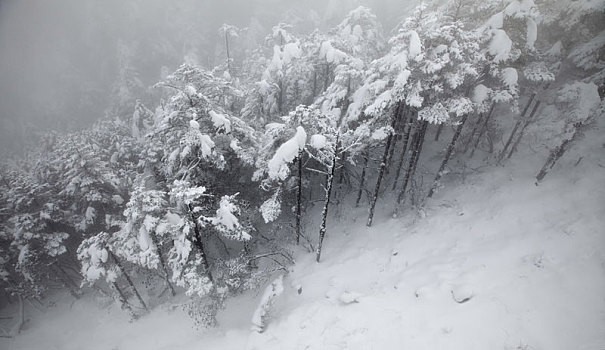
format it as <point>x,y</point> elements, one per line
<point>494,262</point>
<point>226,221</point>
<point>285,154</point>
<point>318,141</point>
<point>532,33</point>
<point>480,93</point>
<point>220,121</point>
<point>500,46</point>
<point>415,45</point>
<point>510,77</point>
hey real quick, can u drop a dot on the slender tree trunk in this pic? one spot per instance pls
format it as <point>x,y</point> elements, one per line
<point>363,178</point>
<point>448,155</point>
<point>558,153</point>
<point>327,77</point>
<point>21,318</point>
<point>400,115</point>
<point>299,197</point>
<point>163,264</point>
<point>200,243</point>
<point>515,128</point>
<point>483,128</point>
<point>343,170</point>
<point>522,131</point>
<point>413,160</point>
<point>406,140</point>
<point>128,279</point>
<point>314,86</point>
<point>324,214</point>
<point>280,97</point>
<point>68,283</point>
<point>228,55</point>
<point>383,166</point>
<point>439,128</point>
<point>123,300</point>
<point>473,132</point>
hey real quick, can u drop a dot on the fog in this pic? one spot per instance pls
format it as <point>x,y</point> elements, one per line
<point>60,58</point>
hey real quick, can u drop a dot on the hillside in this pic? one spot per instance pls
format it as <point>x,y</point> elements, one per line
<point>494,262</point>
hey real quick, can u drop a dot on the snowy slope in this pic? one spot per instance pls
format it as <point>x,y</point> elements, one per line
<point>495,262</point>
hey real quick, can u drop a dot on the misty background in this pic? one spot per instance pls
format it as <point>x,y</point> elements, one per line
<point>61,61</point>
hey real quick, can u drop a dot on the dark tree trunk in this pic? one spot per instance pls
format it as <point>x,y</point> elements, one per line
<point>128,279</point>
<point>343,171</point>
<point>199,243</point>
<point>558,153</point>
<point>299,197</point>
<point>67,282</point>
<point>324,214</point>
<point>163,264</point>
<point>439,129</point>
<point>522,131</point>
<point>327,77</point>
<point>280,97</point>
<point>383,166</point>
<point>314,93</point>
<point>483,128</point>
<point>515,128</point>
<point>228,55</point>
<point>396,126</point>
<point>123,300</point>
<point>419,141</point>
<point>406,140</point>
<point>468,142</point>
<point>363,178</point>
<point>448,155</point>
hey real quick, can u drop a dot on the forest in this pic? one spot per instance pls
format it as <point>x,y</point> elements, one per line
<point>205,184</point>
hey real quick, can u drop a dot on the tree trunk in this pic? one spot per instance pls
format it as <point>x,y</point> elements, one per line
<point>557,153</point>
<point>324,214</point>
<point>280,97</point>
<point>522,131</point>
<point>313,94</point>
<point>198,241</point>
<point>406,140</point>
<point>20,319</point>
<point>448,155</point>
<point>299,197</point>
<point>401,118</point>
<point>123,300</point>
<point>68,283</point>
<point>327,77</point>
<point>343,171</point>
<point>468,142</point>
<point>413,160</point>
<point>228,55</point>
<point>439,128</point>
<point>128,279</point>
<point>383,166</point>
<point>515,128</point>
<point>483,128</point>
<point>163,264</point>
<point>363,178</point>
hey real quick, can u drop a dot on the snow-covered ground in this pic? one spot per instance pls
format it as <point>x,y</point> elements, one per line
<point>494,262</point>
